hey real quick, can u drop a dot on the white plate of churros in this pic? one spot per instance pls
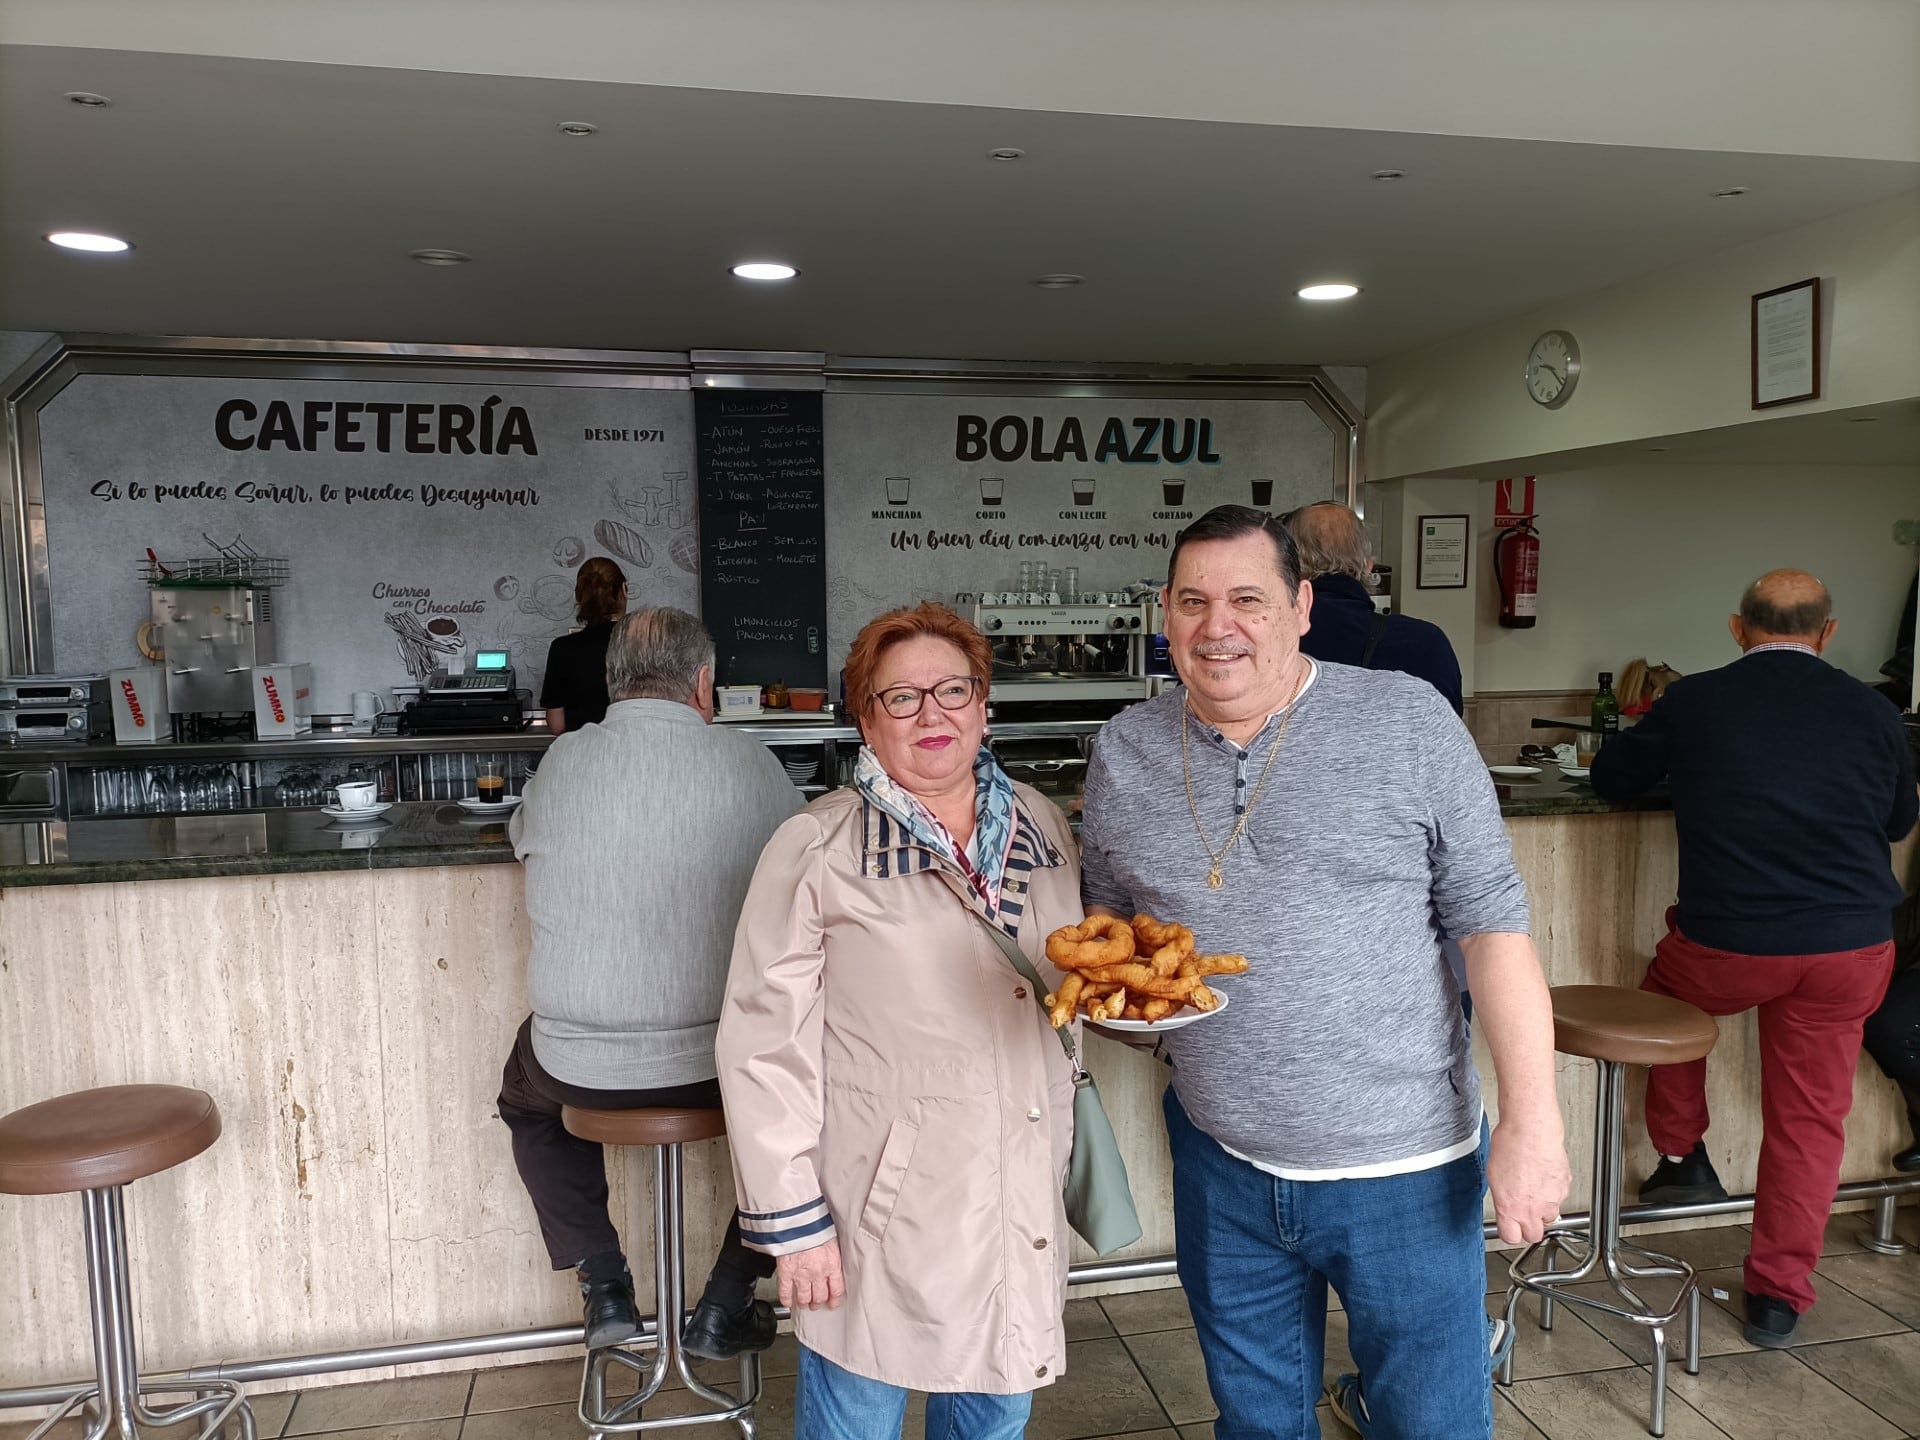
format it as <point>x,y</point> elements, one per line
<point>1178,1021</point>
<point>1139,976</point>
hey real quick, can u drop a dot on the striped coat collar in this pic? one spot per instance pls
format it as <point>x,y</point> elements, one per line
<point>887,851</point>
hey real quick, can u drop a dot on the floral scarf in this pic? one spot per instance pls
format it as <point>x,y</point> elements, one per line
<point>984,862</point>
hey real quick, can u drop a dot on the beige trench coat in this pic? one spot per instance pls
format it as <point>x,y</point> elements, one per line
<point>889,1079</point>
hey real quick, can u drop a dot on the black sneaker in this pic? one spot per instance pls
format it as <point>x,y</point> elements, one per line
<point>608,1312</point>
<point>1770,1321</point>
<point>716,1333</point>
<point>1683,1182</point>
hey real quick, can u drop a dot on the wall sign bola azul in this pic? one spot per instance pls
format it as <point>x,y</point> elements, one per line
<point>931,496</point>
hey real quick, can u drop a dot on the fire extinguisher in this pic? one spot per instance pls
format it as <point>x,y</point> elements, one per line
<point>1516,566</point>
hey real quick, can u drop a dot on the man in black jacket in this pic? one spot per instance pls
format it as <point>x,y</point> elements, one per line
<point>1789,779</point>
<point>1346,628</point>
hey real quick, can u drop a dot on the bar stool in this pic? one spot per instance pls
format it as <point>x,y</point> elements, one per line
<point>1616,1027</point>
<point>665,1130</point>
<point>94,1143</point>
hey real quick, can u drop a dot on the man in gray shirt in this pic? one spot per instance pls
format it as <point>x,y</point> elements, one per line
<point>639,836</point>
<point>1326,1127</point>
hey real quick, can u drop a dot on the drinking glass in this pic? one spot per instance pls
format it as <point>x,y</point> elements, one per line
<point>1071,579</point>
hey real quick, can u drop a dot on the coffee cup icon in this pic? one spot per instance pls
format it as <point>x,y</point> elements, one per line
<point>993,490</point>
<point>1174,492</point>
<point>898,487</point>
<point>1262,494</point>
<point>1083,491</point>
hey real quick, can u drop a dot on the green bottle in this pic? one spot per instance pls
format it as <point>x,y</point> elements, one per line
<point>1606,708</point>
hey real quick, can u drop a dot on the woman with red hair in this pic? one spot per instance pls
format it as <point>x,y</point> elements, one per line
<point>904,1112</point>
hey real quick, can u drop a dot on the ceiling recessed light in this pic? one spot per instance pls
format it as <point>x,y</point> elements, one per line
<point>1389,175</point>
<point>577,127</point>
<point>1061,281</point>
<point>764,270</point>
<point>1729,192</point>
<point>1005,152</point>
<point>92,244</point>
<point>439,257</point>
<point>88,98</point>
<point>1327,292</point>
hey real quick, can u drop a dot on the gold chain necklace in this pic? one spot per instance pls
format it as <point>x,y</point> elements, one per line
<point>1216,858</point>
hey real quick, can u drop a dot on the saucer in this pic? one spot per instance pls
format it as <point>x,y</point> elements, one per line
<point>474,805</point>
<point>356,817</point>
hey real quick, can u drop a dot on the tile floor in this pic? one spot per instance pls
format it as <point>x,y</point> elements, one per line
<point>1135,1370</point>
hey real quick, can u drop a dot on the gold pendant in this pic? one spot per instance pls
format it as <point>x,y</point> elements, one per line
<point>1214,881</point>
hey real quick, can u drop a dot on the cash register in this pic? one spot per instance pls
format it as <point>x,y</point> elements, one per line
<point>478,701</point>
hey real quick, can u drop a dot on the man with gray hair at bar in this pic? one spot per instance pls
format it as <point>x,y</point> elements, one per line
<point>1326,1128</point>
<point>639,837</point>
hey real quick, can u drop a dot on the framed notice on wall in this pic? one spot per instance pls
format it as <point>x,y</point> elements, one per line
<point>1785,345</point>
<point>1442,557</point>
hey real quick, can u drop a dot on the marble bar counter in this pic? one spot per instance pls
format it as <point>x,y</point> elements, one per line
<point>350,1007</point>
<point>114,850</point>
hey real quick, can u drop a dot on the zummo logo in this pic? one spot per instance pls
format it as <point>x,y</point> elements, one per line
<point>133,704</point>
<point>273,699</point>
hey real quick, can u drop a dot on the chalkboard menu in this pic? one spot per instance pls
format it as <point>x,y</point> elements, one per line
<point>763,531</point>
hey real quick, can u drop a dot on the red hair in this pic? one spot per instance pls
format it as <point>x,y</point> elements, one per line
<point>883,632</point>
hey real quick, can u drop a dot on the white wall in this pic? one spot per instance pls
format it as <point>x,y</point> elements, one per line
<point>1649,560</point>
<point>1661,355</point>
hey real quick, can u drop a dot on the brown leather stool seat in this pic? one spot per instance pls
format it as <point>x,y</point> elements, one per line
<point>663,1129</point>
<point>111,1136</point>
<point>1631,1027</point>
<point>644,1127</point>
<point>94,1143</point>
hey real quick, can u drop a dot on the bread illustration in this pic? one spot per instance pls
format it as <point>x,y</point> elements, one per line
<point>624,541</point>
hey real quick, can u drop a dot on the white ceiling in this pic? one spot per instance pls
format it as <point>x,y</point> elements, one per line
<point>1792,77</point>
<point>278,198</point>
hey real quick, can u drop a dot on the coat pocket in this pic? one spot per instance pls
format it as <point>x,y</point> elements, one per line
<point>895,1159</point>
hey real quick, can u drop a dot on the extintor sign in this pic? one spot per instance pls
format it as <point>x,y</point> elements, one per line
<point>1512,501</point>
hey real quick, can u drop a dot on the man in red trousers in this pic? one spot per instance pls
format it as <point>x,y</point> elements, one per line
<point>1789,780</point>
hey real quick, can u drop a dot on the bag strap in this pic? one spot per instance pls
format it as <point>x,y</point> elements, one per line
<point>1376,628</point>
<point>1017,958</point>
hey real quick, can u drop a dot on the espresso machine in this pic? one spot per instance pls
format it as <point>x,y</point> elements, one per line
<point>215,621</point>
<point>1082,652</point>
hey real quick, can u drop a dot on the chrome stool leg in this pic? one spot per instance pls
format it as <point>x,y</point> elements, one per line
<point>115,1406</point>
<point>1882,1239</point>
<point>670,1310</point>
<point>1604,1255</point>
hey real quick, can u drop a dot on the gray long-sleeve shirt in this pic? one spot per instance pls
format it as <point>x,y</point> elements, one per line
<point>640,835</point>
<point>1343,1048</point>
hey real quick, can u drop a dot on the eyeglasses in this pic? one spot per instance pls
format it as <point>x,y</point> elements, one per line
<point>903,702</point>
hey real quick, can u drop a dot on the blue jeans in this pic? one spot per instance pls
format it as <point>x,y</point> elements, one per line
<point>1404,1253</point>
<point>831,1403</point>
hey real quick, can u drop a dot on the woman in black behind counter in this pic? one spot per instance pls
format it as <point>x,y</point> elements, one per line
<point>575,690</point>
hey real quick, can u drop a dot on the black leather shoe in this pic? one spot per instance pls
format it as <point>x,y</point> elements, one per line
<point>1908,1160</point>
<point>608,1313</point>
<point>1683,1182</point>
<point>715,1334</point>
<point>1770,1321</point>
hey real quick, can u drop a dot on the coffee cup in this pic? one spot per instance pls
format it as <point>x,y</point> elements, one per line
<point>357,794</point>
<point>491,788</point>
